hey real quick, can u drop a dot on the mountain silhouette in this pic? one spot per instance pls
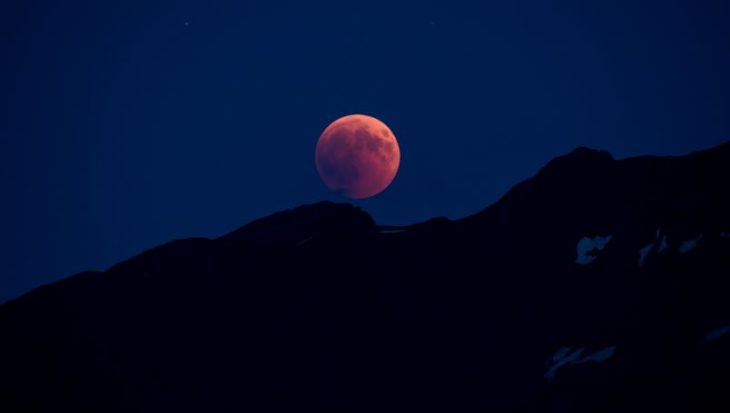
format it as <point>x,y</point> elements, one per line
<point>598,285</point>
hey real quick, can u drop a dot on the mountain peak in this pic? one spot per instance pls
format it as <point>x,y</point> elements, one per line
<point>586,151</point>
<point>319,218</point>
<point>581,159</point>
<point>582,155</point>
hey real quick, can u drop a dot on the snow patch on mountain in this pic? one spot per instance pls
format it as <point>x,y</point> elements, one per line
<point>587,248</point>
<point>644,253</point>
<point>567,356</point>
<point>600,356</point>
<point>660,243</point>
<point>689,245</point>
<point>717,333</point>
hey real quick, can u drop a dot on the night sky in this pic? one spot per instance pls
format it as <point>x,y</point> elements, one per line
<point>127,124</point>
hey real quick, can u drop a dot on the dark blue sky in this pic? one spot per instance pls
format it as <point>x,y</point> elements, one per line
<point>126,124</point>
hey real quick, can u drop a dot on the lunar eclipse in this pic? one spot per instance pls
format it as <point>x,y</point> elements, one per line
<point>357,156</point>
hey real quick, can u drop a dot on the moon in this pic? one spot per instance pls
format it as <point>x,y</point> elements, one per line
<point>357,156</point>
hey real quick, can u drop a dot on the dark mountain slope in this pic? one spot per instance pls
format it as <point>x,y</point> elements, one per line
<point>597,285</point>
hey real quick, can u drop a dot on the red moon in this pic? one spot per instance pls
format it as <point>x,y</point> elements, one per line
<point>357,156</point>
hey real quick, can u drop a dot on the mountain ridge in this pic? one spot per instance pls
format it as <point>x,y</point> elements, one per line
<point>590,286</point>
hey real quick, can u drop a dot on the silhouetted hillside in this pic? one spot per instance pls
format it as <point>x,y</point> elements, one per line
<point>596,286</point>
